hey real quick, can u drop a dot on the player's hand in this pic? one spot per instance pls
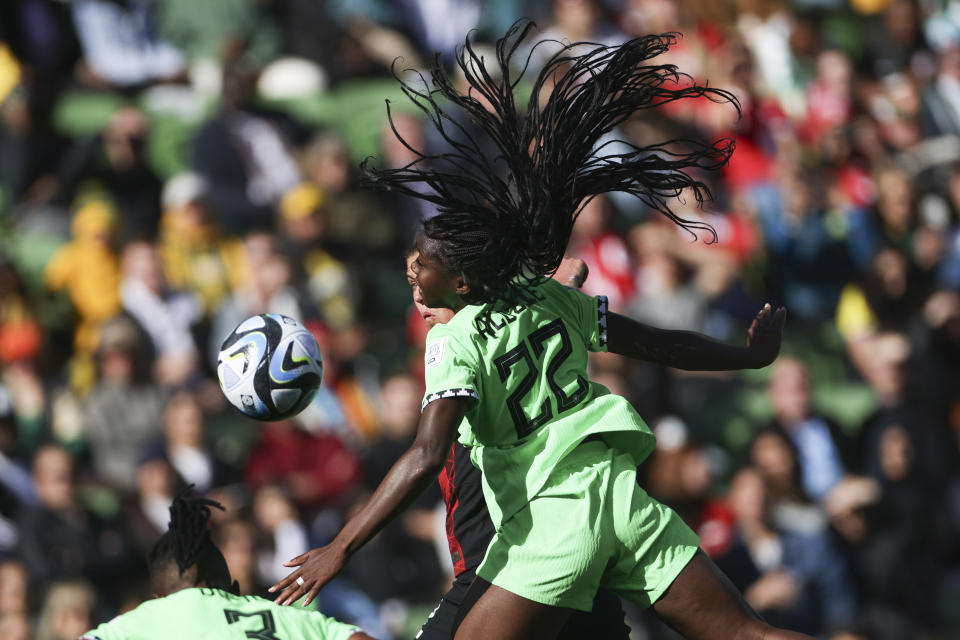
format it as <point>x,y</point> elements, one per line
<point>572,273</point>
<point>764,335</point>
<point>316,568</point>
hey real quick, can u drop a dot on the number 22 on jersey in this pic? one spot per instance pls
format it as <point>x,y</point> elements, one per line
<point>528,355</point>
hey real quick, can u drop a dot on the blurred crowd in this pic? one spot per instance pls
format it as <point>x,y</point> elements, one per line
<point>170,167</point>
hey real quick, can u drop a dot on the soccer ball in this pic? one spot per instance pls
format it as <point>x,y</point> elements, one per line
<point>269,367</point>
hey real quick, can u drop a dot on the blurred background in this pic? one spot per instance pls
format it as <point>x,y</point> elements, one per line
<point>170,167</point>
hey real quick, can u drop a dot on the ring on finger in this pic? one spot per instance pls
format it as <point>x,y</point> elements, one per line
<point>300,580</point>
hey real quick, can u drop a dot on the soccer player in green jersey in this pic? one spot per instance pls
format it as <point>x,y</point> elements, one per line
<point>508,373</point>
<point>469,527</point>
<point>193,595</point>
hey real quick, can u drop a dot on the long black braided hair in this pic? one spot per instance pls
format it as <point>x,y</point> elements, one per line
<point>187,542</point>
<point>509,217</point>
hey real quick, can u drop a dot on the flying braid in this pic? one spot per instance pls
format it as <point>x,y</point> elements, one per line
<point>510,216</point>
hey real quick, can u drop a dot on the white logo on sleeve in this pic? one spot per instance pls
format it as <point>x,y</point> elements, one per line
<point>434,353</point>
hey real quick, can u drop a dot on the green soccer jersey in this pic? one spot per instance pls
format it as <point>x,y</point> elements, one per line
<point>526,370</point>
<point>216,614</point>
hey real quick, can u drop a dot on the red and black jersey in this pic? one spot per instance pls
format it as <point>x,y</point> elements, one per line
<point>469,528</point>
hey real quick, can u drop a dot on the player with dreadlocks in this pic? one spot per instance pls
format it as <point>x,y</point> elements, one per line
<point>185,556</point>
<point>194,598</point>
<point>558,453</point>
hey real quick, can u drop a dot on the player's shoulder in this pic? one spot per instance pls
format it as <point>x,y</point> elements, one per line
<point>125,625</point>
<point>562,298</point>
<point>550,289</point>
<point>459,329</point>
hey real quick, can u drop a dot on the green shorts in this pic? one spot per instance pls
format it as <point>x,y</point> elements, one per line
<point>591,527</point>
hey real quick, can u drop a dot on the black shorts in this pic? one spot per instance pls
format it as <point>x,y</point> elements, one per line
<point>605,621</point>
<point>440,624</point>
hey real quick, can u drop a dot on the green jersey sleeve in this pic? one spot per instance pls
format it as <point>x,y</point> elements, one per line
<point>590,314</point>
<point>450,369</point>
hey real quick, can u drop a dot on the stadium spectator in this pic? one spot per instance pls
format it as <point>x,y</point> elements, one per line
<point>14,589</point>
<point>940,116</point>
<point>277,519</point>
<point>879,521</point>
<point>808,262</point>
<point>830,95</point>
<point>894,376</point>
<point>20,333</point>
<point>39,34</point>
<point>891,223</point>
<point>165,315</point>
<point>820,446</point>
<point>270,289</point>
<point>774,458</point>
<point>115,160</point>
<point>803,581</point>
<point>197,256</point>
<point>360,229</point>
<point>763,130</point>
<point>185,444</point>
<point>941,323</point>
<point>121,45</point>
<point>121,415</point>
<point>21,418</point>
<point>214,31</point>
<point>881,301</point>
<point>310,31</point>
<point>148,509</point>
<point>408,212</point>
<point>236,539</point>
<point>666,292</point>
<point>67,612</point>
<point>15,626</point>
<point>88,271</point>
<point>245,154</point>
<point>612,271</point>
<point>894,41</point>
<point>61,539</point>
<point>328,282</point>
<point>574,21</point>
<point>355,216</point>
<point>317,469</point>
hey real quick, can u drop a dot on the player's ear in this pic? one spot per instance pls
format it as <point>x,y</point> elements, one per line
<point>461,286</point>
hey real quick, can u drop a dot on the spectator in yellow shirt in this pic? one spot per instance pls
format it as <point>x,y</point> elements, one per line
<point>196,256</point>
<point>88,271</point>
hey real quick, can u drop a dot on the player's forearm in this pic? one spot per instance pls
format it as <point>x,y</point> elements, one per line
<point>687,350</point>
<point>407,479</point>
<point>409,476</point>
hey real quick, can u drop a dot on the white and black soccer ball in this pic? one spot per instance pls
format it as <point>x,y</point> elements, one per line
<point>270,367</point>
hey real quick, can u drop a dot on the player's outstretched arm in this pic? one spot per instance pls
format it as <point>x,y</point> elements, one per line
<point>694,351</point>
<point>405,481</point>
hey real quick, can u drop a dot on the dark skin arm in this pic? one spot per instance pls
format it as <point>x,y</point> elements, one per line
<point>405,481</point>
<point>694,351</point>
